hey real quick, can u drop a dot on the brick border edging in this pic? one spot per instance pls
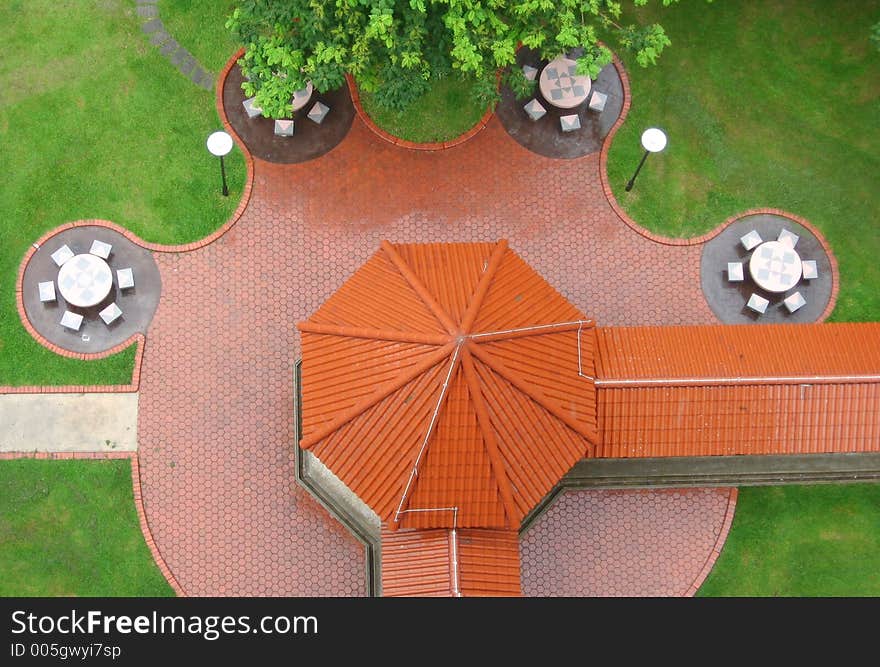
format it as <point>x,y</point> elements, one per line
<point>131,387</point>
<point>803,222</point>
<point>703,238</point>
<point>412,145</point>
<point>719,544</point>
<point>8,456</point>
<point>145,528</point>
<point>221,111</point>
<point>136,494</point>
<point>138,338</point>
<point>183,247</point>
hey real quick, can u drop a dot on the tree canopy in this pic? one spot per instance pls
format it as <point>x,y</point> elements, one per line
<point>395,46</point>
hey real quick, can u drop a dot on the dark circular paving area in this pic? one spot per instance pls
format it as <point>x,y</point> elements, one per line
<point>309,140</point>
<point>545,136</point>
<point>728,300</point>
<point>138,304</point>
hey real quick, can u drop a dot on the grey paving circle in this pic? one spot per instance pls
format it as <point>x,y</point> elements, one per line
<point>545,136</point>
<point>728,299</point>
<point>138,303</point>
<point>309,139</point>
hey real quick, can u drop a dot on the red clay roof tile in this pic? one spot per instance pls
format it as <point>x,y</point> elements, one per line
<point>465,562</point>
<point>489,563</point>
<point>730,390</point>
<point>746,350</point>
<point>739,419</point>
<point>416,563</point>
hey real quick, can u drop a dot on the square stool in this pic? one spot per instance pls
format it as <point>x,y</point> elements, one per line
<point>758,304</point>
<point>535,109</point>
<point>735,272</point>
<point>318,112</point>
<point>570,123</point>
<point>100,249</point>
<point>788,238</point>
<point>47,291</point>
<point>809,269</point>
<point>284,128</point>
<point>597,101</point>
<point>794,302</point>
<point>111,313</point>
<point>71,321</point>
<point>751,240</point>
<point>125,278</point>
<point>61,255</point>
<point>251,107</point>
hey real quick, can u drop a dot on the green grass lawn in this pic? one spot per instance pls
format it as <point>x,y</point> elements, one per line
<point>69,528</point>
<point>443,113</point>
<point>821,540</point>
<point>200,26</point>
<point>770,103</point>
<point>95,123</point>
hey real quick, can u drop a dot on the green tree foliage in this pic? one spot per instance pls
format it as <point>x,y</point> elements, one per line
<point>393,46</point>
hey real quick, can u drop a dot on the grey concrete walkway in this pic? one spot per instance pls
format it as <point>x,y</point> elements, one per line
<point>68,422</point>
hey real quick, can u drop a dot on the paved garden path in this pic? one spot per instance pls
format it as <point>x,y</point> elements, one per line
<point>183,60</point>
<point>216,410</point>
<point>56,422</point>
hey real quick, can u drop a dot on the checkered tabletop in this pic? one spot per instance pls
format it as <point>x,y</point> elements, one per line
<point>302,96</point>
<point>85,280</point>
<point>561,86</point>
<point>775,266</point>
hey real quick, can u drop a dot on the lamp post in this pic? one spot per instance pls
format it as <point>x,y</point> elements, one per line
<point>219,144</point>
<point>653,141</point>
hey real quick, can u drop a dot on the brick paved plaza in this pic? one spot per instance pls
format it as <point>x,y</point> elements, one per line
<point>216,407</point>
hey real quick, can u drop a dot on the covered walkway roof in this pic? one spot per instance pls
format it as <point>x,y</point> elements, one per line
<point>738,389</point>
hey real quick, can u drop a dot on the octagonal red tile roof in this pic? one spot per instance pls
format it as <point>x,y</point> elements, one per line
<point>448,385</point>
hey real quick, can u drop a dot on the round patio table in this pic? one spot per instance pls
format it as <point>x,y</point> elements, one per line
<point>561,85</point>
<point>775,266</point>
<point>302,96</point>
<point>85,280</point>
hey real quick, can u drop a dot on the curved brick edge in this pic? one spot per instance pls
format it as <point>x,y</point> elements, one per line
<point>37,336</point>
<point>131,387</point>
<point>403,143</point>
<point>698,240</point>
<point>145,528</point>
<point>719,544</point>
<point>221,111</point>
<point>134,238</point>
<point>163,247</point>
<point>136,493</point>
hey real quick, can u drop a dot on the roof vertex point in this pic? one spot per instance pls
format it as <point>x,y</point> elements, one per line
<point>448,385</point>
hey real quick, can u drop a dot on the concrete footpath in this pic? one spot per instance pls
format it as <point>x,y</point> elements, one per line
<point>68,422</point>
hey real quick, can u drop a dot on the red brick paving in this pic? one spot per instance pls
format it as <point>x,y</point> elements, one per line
<point>216,406</point>
<point>625,543</point>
